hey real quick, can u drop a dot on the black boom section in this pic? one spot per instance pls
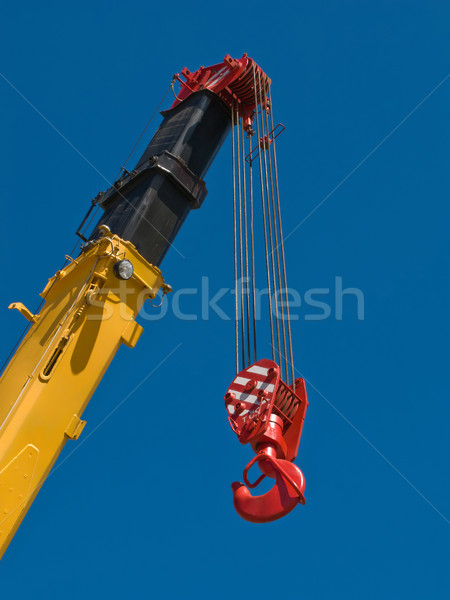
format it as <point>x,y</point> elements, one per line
<point>148,206</point>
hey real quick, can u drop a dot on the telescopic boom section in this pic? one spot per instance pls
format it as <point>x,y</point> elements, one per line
<point>89,307</point>
<point>148,206</point>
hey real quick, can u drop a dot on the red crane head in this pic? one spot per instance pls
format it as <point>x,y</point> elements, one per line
<point>240,83</point>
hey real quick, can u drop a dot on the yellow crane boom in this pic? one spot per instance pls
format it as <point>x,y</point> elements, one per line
<point>88,313</point>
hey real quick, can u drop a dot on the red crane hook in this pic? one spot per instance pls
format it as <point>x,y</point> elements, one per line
<point>266,412</point>
<point>277,502</point>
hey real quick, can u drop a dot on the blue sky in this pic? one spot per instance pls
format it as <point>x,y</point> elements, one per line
<point>143,507</point>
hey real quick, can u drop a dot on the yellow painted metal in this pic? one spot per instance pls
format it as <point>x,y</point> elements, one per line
<point>88,313</point>
<point>75,427</point>
<point>24,311</point>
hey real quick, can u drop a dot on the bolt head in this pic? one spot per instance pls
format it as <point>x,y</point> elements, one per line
<point>250,385</point>
<point>272,372</point>
<point>239,407</point>
<point>229,396</point>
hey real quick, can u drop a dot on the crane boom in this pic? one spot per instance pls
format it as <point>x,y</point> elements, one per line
<point>90,306</point>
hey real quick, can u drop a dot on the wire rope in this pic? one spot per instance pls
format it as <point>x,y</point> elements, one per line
<point>241,243</point>
<point>264,220</point>
<point>236,313</point>
<point>275,229</point>
<point>263,142</point>
<point>283,259</point>
<point>252,242</point>
<point>247,281</point>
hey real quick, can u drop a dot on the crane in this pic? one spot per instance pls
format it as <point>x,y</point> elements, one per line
<point>89,307</point>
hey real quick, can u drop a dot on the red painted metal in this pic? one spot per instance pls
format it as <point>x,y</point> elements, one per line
<point>267,413</point>
<point>233,81</point>
<point>265,142</point>
<point>278,502</point>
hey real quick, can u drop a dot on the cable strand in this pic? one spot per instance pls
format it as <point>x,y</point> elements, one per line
<point>263,151</point>
<point>247,292</point>
<point>236,314</point>
<point>252,241</point>
<point>275,228</point>
<point>264,219</point>
<point>291,353</point>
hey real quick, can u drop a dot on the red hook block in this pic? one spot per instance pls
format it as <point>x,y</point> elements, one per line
<point>266,412</point>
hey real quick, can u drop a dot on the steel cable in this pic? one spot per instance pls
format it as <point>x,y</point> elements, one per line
<point>291,353</point>
<point>264,220</point>
<point>241,245</point>
<point>243,218</point>
<point>247,291</point>
<point>252,241</point>
<point>263,140</point>
<point>236,314</point>
<point>275,228</point>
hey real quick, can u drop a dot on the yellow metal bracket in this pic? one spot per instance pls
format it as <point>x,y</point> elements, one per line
<point>24,311</point>
<point>75,428</point>
<point>131,334</point>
